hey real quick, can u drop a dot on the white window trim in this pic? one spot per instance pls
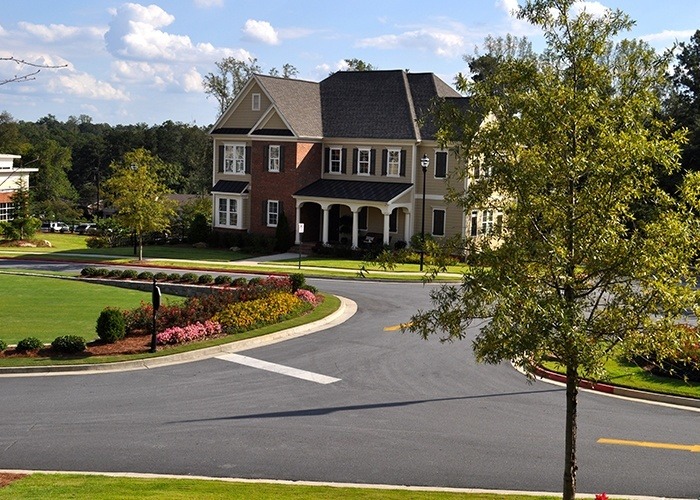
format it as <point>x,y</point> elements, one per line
<point>238,212</point>
<point>398,162</point>
<point>235,164</point>
<point>360,151</point>
<point>269,212</point>
<point>271,167</point>
<point>255,104</point>
<point>340,160</point>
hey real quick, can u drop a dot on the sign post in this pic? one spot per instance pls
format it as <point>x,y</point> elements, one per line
<point>301,231</point>
<point>155,299</point>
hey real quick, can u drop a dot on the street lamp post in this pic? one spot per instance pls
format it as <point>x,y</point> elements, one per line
<point>424,162</point>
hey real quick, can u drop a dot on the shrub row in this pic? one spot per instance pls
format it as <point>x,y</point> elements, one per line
<point>192,278</point>
<point>68,344</point>
<point>273,308</point>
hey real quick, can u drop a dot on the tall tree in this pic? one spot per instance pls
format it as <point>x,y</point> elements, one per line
<point>566,145</point>
<point>53,196</point>
<point>225,85</point>
<point>139,196</point>
<point>355,64</point>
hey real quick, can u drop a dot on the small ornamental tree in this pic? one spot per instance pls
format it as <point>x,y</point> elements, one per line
<point>592,256</point>
<point>139,196</point>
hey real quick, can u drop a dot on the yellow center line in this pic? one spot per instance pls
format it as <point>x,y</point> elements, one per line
<point>693,448</point>
<point>394,328</point>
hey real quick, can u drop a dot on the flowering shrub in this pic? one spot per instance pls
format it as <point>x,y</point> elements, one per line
<point>601,496</point>
<point>189,333</point>
<point>273,308</point>
<point>307,296</point>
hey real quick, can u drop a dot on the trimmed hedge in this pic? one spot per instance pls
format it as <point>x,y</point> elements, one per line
<point>3,345</point>
<point>69,344</point>
<point>29,344</point>
<point>111,325</point>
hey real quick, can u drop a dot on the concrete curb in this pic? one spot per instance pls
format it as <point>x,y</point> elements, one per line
<point>624,392</point>
<point>346,310</point>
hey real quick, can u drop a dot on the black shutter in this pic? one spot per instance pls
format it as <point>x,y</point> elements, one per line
<point>266,158</point>
<point>281,158</point>
<point>264,213</point>
<point>221,159</point>
<point>441,165</point>
<point>402,172</point>
<point>373,162</point>
<point>354,161</point>
<point>327,160</point>
<point>248,151</point>
<point>344,156</point>
<point>385,156</point>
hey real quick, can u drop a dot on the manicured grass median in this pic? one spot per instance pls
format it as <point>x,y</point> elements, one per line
<point>73,486</point>
<point>47,308</point>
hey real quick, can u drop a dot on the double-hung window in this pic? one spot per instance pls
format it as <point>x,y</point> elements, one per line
<point>487,222</point>
<point>228,212</point>
<point>273,159</point>
<point>273,211</point>
<point>364,159</point>
<point>256,102</point>
<point>393,162</point>
<point>335,160</point>
<point>234,158</point>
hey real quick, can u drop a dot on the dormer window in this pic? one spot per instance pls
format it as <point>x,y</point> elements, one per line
<point>256,102</point>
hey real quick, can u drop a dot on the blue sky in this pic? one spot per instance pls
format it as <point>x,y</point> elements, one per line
<point>144,62</point>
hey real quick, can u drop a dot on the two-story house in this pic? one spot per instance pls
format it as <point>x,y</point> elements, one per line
<point>11,179</point>
<point>345,151</point>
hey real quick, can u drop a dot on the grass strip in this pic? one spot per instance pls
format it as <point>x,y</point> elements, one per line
<point>95,487</point>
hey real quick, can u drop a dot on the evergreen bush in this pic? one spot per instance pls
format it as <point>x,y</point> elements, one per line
<point>29,344</point>
<point>69,344</point>
<point>111,325</point>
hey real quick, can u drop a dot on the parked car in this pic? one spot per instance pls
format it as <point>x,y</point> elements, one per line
<point>86,228</point>
<point>55,227</point>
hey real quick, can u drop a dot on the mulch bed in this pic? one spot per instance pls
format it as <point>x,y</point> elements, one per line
<point>9,477</point>
<point>131,344</point>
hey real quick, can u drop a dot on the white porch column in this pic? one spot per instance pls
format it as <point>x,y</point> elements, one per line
<point>324,238</point>
<point>386,228</point>
<point>407,226</point>
<point>297,235</point>
<point>355,227</point>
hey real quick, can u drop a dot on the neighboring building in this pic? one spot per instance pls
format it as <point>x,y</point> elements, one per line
<point>11,178</point>
<point>345,151</point>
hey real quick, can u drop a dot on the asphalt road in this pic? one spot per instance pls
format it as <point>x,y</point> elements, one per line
<point>405,411</point>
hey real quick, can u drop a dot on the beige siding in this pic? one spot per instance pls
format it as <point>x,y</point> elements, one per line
<point>378,148</point>
<point>244,116</point>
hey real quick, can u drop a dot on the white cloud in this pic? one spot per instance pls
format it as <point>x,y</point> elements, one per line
<point>192,81</point>
<point>59,32</point>
<point>668,36</point>
<point>159,75</point>
<point>509,6</point>
<point>85,86</point>
<point>135,34</point>
<point>596,9</point>
<point>260,31</point>
<point>440,42</point>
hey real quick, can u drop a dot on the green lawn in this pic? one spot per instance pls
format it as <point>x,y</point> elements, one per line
<point>47,308</point>
<point>75,486</point>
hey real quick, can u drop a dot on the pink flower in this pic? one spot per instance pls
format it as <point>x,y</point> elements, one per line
<point>601,496</point>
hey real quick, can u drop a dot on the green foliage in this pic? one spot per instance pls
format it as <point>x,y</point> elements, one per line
<point>3,345</point>
<point>111,325</point>
<point>284,238</point>
<point>223,279</point>
<point>114,273</point>
<point>240,282</point>
<point>173,277</point>
<point>161,276</point>
<point>139,196</point>
<point>88,271</point>
<point>145,276</point>
<point>567,146</point>
<point>232,75</point>
<point>129,274</point>
<point>205,279</point>
<point>298,281</point>
<point>29,344</point>
<point>69,344</point>
<point>189,278</point>
<point>101,272</point>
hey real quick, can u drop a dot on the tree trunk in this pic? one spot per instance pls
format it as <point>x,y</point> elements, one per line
<point>140,246</point>
<point>570,466</point>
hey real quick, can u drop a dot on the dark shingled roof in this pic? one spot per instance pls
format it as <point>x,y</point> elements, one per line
<point>229,130</point>
<point>237,187</point>
<point>425,87</point>
<point>354,190</point>
<point>298,101</point>
<point>368,105</point>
